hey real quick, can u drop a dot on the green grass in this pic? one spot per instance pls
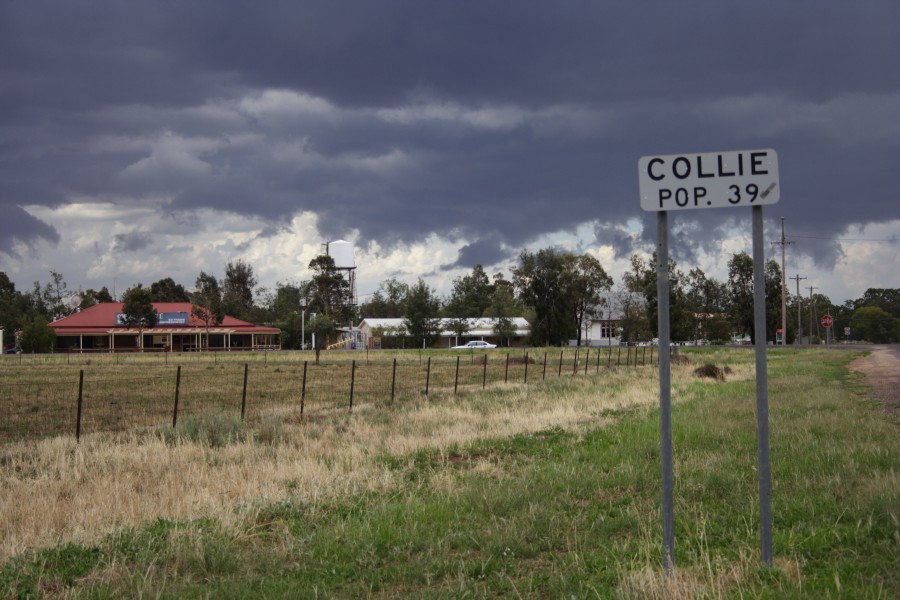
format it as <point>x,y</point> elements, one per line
<point>559,514</point>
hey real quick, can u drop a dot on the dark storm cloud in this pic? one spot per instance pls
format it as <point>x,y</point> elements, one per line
<point>491,121</point>
<point>131,242</point>
<point>20,227</point>
<point>483,252</point>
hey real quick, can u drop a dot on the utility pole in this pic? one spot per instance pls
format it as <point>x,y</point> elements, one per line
<point>799,319</point>
<point>812,307</point>
<point>783,243</point>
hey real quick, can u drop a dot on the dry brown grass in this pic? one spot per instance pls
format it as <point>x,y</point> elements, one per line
<point>57,490</point>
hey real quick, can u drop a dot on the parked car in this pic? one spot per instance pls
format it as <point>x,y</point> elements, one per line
<point>12,350</point>
<point>475,345</point>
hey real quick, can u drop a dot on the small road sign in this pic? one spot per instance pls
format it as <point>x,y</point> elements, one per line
<point>827,321</point>
<point>709,180</point>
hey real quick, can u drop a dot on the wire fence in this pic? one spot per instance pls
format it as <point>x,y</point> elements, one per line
<point>42,398</point>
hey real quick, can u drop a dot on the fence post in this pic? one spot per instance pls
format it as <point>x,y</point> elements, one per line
<point>506,373</point>
<point>352,382</point>
<point>587,359</point>
<point>599,352</point>
<point>559,374</point>
<point>618,355</point>
<point>484,373</point>
<point>526,368</point>
<point>644,357</point>
<point>575,363</point>
<point>428,376</point>
<point>456,378</point>
<point>80,397</point>
<point>609,358</point>
<point>393,379</point>
<point>244,393</point>
<point>177,394</point>
<point>544,374</point>
<point>651,355</point>
<point>303,390</point>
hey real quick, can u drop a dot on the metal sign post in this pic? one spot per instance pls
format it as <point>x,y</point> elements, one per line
<point>697,181</point>
<point>762,389</point>
<point>665,391</point>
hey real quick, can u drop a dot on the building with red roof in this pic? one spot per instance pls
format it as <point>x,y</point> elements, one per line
<point>101,328</point>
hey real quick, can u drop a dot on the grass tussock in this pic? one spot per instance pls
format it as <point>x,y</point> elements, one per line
<point>519,491</point>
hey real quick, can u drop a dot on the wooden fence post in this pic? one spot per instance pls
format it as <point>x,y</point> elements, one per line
<point>544,374</point>
<point>506,373</point>
<point>456,378</point>
<point>303,390</point>
<point>428,376</point>
<point>484,373</point>
<point>177,395</point>
<point>244,393</point>
<point>80,398</point>
<point>526,368</point>
<point>394,379</point>
<point>559,374</point>
<point>352,382</point>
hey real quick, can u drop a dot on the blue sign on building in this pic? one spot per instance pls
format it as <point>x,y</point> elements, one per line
<point>162,319</point>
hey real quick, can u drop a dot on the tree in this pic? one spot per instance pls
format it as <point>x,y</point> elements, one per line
<point>705,299</point>
<point>874,324</point>
<point>207,302</point>
<point>13,307</point>
<point>589,282</point>
<point>388,301</point>
<point>37,336</point>
<point>542,281</point>
<point>471,294</point>
<point>91,297</point>
<point>423,309</point>
<point>237,289</point>
<point>459,326</point>
<point>328,292</point>
<point>740,295</point>
<point>138,311</point>
<point>56,296</point>
<point>634,324</point>
<point>887,299</point>
<point>642,279</point>
<point>166,290</point>
<point>322,326</point>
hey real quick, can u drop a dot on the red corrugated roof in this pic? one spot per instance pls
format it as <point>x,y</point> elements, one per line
<point>100,318</point>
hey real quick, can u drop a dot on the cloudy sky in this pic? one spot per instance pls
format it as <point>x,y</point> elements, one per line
<point>150,139</point>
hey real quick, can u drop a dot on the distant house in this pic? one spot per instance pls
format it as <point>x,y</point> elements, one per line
<point>479,329</point>
<point>101,328</point>
<point>600,332</point>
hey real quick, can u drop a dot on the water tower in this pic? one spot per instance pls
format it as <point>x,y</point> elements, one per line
<point>342,253</point>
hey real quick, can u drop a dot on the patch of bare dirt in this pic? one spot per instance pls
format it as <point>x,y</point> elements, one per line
<point>881,370</point>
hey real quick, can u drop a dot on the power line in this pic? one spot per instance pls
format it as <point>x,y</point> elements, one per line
<point>817,237</point>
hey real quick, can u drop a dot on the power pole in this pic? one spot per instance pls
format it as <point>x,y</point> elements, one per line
<point>783,243</point>
<point>812,307</point>
<point>799,319</point>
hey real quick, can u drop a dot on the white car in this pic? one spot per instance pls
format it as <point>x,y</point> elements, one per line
<point>474,345</point>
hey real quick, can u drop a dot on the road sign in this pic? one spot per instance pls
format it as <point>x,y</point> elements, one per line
<point>709,180</point>
<point>827,321</point>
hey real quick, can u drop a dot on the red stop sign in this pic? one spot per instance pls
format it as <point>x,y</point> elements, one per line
<point>827,321</point>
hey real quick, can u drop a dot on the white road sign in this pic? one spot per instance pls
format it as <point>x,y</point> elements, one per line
<point>709,180</point>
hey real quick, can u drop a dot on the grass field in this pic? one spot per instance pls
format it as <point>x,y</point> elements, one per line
<point>548,490</point>
<point>39,393</point>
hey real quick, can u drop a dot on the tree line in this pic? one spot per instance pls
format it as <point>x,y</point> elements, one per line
<point>560,293</point>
